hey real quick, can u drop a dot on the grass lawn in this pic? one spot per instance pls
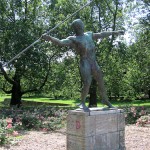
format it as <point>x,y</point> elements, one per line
<point>48,100</point>
<point>73,103</point>
<point>134,103</point>
<point>3,97</point>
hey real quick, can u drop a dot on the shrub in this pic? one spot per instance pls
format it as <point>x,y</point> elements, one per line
<point>6,131</point>
<point>30,122</point>
<point>29,118</point>
<point>3,135</point>
<point>50,118</point>
<point>133,113</point>
<point>143,121</point>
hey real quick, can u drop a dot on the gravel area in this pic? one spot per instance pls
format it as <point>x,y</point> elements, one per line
<point>136,138</point>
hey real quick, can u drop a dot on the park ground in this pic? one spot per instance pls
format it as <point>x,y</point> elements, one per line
<point>136,137</point>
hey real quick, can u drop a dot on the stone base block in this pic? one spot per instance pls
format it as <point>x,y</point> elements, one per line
<point>97,130</point>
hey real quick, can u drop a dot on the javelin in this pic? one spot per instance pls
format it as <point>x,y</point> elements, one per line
<point>47,33</point>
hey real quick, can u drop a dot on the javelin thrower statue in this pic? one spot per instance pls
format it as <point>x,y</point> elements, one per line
<point>83,43</point>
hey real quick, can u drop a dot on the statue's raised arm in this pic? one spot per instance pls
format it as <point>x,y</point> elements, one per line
<point>63,42</point>
<point>106,34</point>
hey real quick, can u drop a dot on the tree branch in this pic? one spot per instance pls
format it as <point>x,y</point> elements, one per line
<point>45,79</point>
<point>29,91</point>
<point>7,92</point>
<point>5,74</point>
<point>109,7</point>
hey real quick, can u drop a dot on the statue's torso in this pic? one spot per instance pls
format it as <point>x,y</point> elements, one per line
<point>84,46</point>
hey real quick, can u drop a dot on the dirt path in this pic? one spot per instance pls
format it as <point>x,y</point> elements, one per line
<point>136,138</point>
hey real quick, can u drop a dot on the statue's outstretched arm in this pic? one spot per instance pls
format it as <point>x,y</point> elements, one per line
<point>63,42</point>
<point>106,34</point>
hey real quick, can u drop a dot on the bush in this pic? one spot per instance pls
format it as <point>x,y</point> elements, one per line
<point>143,121</point>
<point>30,122</point>
<point>133,113</point>
<point>33,118</point>
<point>6,131</point>
<point>29,118</point>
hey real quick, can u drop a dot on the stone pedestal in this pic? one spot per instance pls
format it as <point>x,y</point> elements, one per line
<point>99,130</point>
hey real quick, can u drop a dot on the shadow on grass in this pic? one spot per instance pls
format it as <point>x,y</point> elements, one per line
<point>45,98</point>
<point>34,103</point>
<point>25,103</point>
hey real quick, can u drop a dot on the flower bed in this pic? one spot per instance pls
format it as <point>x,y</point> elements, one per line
<point>30,118</point>
<point>132,113</point>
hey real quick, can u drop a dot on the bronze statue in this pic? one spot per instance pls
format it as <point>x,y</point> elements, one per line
<point>84,45</point>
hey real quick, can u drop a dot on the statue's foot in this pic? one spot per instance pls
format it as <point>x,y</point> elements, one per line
<point>84,107</point>
<point>107,103</point>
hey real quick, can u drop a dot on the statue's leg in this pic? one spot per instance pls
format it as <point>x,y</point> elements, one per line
<point>86,77</point>
<point>84,93</point>
<point>102,91</point>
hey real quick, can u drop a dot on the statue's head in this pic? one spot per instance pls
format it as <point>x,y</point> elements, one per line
<point>78,26</point>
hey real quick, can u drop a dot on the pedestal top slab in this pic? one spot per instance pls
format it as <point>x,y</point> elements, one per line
<point>95,110</point>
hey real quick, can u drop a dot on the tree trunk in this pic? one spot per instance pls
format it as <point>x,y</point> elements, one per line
<point>93,95</point>
<point>16,93</point>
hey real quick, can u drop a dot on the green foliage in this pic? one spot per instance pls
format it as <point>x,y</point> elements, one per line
<point>30,122</point>
<point>143,121</point>
<point>125,67</point>
<point>30,118</point>
<point>138,73</point>
<point>64,81</point>
<point>21,27</point>
<point>47,118</point>
<point>133,113</point>
<point>7,131</point>
<point>3,137</point>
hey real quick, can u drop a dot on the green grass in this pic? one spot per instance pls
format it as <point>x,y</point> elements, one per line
<point>73,103</point>
<point>145,102</point>
<point>2,97</point>
<point>133,103</point>
<point>49,101</point>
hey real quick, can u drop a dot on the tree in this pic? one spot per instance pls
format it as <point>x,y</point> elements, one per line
<point>141,62</point>
<point>137,70</point>
<point>106,15</point>
<point>64,80</point>
<point>19,29</point>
